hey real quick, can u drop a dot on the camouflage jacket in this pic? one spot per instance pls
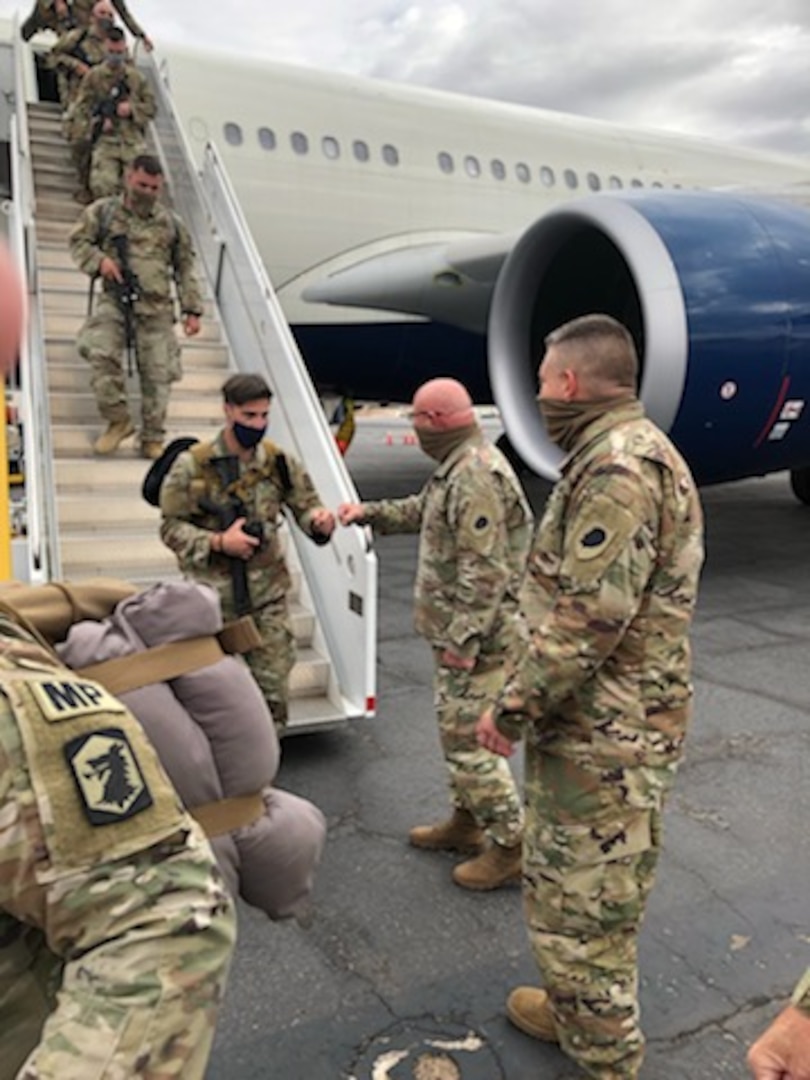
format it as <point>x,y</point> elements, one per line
<point>475,531</point>
<point>609,596</point>
<point>159,248</point>
<point>76,49</point>
<point>99,85</point>
<point>194,504</point>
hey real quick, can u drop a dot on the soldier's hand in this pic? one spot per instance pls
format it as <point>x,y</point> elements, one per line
<point>453,660</point>
<point>490,738</point>
<point>147,43</point>
<point>236,543</point>
<point>123,109</point>
<point>107,125</point>
<point>109,269</point>
<point>82,69</point>
<point>323,521</point>
<point>191,325</point>
<point>783,1051</point>
<point>350,513</point>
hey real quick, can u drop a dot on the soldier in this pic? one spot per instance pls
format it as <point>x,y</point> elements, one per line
<point>54,15</point>
<point>72,56</point>
<point>783,1051</point>
<point>475,531</point>
<point>116,927</point>
<point>602,693</point>
<point>114,105</point>
<point>60,16</point>
<point>137,247</point>
<point>221,504</point>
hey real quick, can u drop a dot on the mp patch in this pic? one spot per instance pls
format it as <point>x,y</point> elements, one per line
<point>66,699</point>
<point>107,776</point>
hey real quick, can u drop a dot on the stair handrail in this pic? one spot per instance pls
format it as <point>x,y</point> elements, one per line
<point>42,548</point>
<point>261,341</point>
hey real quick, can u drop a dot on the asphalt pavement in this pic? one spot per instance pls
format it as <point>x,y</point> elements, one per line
<point>400,974</point>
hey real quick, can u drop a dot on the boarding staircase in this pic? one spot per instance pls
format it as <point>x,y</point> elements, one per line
<point>86,514</point>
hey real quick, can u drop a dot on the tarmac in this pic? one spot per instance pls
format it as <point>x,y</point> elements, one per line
<point>397,973</point>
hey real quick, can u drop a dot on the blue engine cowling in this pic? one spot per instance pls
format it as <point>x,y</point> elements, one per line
<point>715,289</point>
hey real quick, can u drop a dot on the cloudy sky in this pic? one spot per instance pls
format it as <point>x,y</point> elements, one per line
<point>738,71</point>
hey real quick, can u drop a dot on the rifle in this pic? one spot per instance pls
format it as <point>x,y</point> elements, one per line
<point>107,109</point>
<point>227,470</point>
<point>126,293</point>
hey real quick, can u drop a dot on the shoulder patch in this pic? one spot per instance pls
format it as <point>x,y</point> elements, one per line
<point>107,775</point>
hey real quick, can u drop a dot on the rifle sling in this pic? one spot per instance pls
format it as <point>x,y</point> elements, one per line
<point>224,815</point>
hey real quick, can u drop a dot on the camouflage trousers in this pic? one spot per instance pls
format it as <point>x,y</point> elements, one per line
<point>480,781</point>
<point>585,888</point>
<point>111,157</point>
<point>102,342</point>
<point>272,663</point>
<point>141,988</point>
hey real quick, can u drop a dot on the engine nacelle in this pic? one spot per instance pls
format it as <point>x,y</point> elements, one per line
<point>715,290</point>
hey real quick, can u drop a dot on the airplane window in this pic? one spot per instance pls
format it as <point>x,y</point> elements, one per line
<point>498,169</point>
<point>299,142</point>
<point>446,162</point>
<point>267,139</point>
<point>594,183</point>
<point>657,183</point>
<point>523,172</point>
<point>361,151</point>
<point>571,178</point>
<point>546,176</point>
<point>330,147</point>
<point>472,166</point>
<point>233,134</point>
<point>390,154</point>
<point>636,183</point>
<point>615,183</point>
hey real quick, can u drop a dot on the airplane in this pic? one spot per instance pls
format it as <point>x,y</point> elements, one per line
<point>410,232</point>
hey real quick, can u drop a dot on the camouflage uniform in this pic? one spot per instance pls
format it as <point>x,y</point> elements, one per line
<point>475,531</point>
<point>603,696</point>
<point>113,152</point>
<point>44,16</point>
<point>75,50</point>
<point>270,481</point>
<point>159,247</point>
<point>109,893</point>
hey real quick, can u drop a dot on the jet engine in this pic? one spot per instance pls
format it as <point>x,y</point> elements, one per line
<point>715,289</point>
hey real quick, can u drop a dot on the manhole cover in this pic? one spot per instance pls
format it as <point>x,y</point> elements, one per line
<point>426,1049</point>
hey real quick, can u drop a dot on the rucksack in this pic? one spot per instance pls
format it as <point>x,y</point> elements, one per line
<point>153,481</point>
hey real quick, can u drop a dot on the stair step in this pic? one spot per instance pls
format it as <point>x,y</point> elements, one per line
<point>313,713</point>
<point>198,356</point>
<point>65,322</point>
<point>76,441</point>
<point>67,378</point>
<point>80,408</point>
<point>310,674</point>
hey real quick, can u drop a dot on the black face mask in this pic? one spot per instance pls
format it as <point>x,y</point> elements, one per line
<point>105,24</point>
<point>248,437</point>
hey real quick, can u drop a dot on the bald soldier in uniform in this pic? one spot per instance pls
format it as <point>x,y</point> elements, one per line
<point>475,529</point>
<point>116,927</point>
<point>602,695</point>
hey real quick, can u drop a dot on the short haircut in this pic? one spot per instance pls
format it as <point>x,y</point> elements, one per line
<point>239,389</point>
<point>115,33</point>
<point>606,350</point>
<point>149,163</point>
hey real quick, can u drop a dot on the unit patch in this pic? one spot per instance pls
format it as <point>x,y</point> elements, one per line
<point>107,775</point>
<point>65,699</point>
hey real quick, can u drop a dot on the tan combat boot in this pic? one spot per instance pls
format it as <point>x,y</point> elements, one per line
<point>495,867</point>
<point>151,449</point>
<point>460,833</point>
<point>111,439</point>
<point>530,1010</point>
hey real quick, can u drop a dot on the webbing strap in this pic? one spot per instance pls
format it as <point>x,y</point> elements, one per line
<point>224,815</point>
<point>156,665</point>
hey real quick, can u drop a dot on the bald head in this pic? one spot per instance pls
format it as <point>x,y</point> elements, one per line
<point>12,310</point>
<point>442,405</point>
<point>594,356</point>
